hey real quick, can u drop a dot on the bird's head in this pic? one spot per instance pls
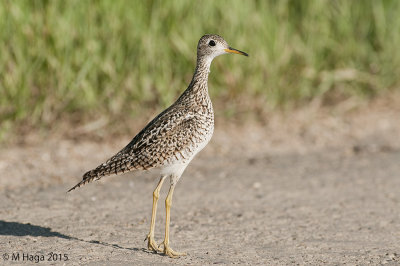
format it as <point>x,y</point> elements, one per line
<point>212,45</point>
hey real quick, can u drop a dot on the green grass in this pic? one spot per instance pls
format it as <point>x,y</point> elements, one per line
<point>109,58</point>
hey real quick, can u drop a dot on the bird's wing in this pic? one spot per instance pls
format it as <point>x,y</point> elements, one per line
<point>159,141</point>
<point>162,139</point>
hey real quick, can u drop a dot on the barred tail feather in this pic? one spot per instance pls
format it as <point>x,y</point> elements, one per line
<point>115,165</point>
<point>87,177</point>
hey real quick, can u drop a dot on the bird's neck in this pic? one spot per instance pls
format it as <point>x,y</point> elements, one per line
<point>197,92</point>
<point>199,83</point>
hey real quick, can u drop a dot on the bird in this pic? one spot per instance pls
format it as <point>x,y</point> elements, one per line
<point>171,140</point>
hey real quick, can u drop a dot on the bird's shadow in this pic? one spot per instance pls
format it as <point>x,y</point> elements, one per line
<point>20,229</point>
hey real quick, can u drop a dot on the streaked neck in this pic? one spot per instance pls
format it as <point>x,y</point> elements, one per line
<point>200,76</point>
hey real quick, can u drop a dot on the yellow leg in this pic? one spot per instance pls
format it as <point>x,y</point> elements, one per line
<point>151,245</point>
<point>168,203</point>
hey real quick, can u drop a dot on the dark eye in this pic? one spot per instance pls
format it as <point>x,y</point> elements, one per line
<point>211,43</point>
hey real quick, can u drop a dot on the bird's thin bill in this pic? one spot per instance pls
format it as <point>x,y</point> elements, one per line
<point>235,51</point>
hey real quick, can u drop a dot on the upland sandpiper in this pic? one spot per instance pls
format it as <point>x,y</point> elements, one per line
<point>171,140</point>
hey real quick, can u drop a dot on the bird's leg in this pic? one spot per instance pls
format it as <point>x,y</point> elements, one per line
<point>151,245</point>
<point>168,203</point>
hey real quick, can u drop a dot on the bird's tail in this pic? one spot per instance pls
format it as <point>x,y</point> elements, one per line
<point>116,165</point>
<point>87,177</point>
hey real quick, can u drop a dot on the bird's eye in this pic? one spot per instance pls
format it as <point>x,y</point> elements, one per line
<point>211,43</point>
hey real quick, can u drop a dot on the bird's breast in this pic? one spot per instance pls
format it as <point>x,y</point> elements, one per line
<point>198,136</point>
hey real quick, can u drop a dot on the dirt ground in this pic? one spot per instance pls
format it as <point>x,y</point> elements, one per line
<point>309,188</point>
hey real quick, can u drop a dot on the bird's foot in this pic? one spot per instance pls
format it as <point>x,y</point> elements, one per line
<point>151,244</point>
<point>171,253</point>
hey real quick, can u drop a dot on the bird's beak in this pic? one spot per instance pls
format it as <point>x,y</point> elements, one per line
<point>235,51</point>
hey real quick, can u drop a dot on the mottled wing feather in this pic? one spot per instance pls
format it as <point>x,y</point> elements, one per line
<point>161,141</point>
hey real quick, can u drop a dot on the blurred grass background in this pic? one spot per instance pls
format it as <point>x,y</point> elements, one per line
<point>80,60</point>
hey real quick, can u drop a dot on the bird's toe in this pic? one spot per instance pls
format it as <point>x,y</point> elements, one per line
<point>172,253</point>
<point>152,245</point>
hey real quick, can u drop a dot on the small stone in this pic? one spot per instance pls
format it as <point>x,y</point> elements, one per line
<point>256,185</point>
